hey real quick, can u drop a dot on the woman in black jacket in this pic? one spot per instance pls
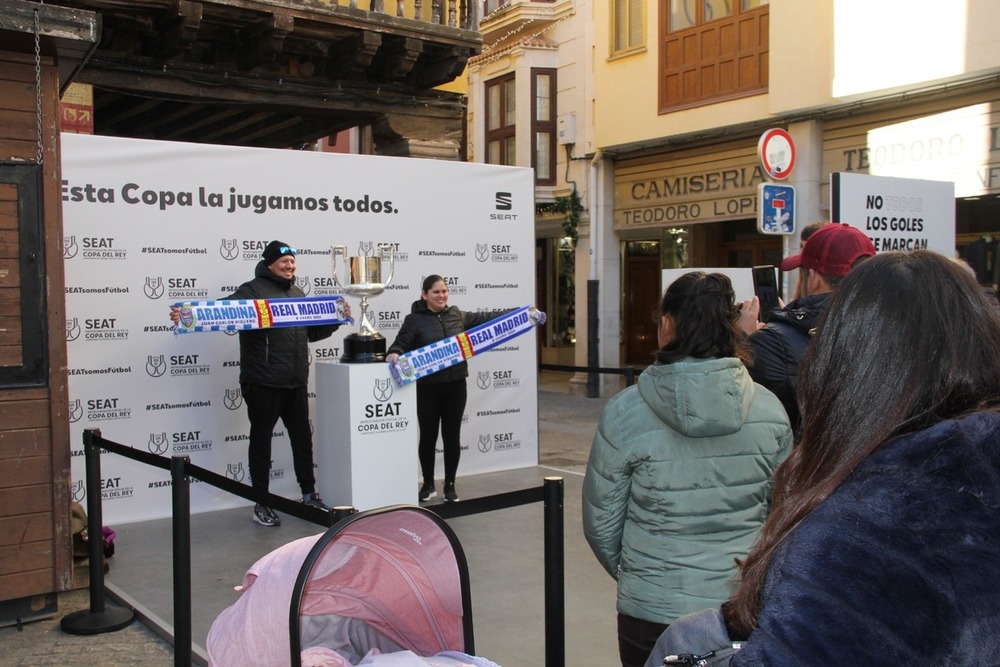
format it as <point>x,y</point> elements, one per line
<point>441,396</point>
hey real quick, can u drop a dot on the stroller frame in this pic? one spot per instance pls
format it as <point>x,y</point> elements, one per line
<point>337,529</point>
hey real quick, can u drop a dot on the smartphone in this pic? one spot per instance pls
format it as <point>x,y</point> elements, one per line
<point>765,286</point>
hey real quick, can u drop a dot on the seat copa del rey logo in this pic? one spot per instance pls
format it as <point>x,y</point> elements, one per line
<point>178,442</point>
<point>179,365</point>
<point>498,442</point>
<point>177,288</point>
<point>96,328</point>
<point>497,253</point>
<point>112,488</point>
<point>497,379</point>
<point>383,415</point>
<point>94,247</point>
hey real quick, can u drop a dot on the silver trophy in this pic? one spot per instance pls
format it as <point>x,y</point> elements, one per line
<point>364,280</point>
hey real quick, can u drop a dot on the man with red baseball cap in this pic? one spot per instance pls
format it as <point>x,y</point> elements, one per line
<point>829,255</point>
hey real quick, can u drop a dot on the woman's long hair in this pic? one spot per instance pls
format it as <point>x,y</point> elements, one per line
<point>908,340</point>
<point>702,306</point>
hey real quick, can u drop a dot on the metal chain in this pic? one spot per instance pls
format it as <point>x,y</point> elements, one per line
<point>38,88</point>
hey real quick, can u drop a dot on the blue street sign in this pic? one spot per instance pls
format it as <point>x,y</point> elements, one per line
<point>776,209</point>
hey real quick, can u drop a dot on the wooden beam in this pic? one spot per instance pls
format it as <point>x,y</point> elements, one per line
<point>262,43</point>
<point>55,22</point>
<point>233,129</point>
<point>181,113</point>
<point>179,32</point>
<point>445,68</point>
<point>125,112</point>
<point>180,82</point>
<point>353,57</point>
<point>183,127</point>
<point>397,58</point>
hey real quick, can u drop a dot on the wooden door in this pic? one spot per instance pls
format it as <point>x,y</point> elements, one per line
<point>640,306</point>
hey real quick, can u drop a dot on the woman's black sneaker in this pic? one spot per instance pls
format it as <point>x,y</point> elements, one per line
<point>265,516</point>
<point>427,492</point>
<point>449,493</point>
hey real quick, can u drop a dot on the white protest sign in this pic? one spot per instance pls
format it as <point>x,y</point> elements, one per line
<point>742,279</point>
<point>896,213</point>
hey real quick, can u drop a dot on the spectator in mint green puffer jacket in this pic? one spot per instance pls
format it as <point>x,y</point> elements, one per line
<point>679,477</point>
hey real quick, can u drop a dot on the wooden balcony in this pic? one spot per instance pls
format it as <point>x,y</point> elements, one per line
<point>276,73</point>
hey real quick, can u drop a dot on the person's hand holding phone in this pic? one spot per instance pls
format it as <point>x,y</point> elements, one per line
<point>765,286</point>
<point>749,316</point>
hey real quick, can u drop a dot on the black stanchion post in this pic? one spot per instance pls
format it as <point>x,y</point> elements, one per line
<point>593,340</point>
<point>340,512</point>
<point>181,522</point>
<point>99,618</point>
<point>555,575</point>
<point>629,376</point>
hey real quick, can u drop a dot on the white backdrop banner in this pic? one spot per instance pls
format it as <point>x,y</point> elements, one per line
<point>148,224</point>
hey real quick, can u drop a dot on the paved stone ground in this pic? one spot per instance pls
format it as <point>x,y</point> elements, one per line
<point>566,429</point>
<point>43,643</point>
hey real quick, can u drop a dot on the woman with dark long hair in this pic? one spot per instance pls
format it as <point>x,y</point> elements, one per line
<point>883,542</point>
<point>678,480</point>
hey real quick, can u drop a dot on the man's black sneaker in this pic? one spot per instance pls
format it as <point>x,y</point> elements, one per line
<point>427,492</point>
<point>313,500</point>
<point>449,493</point>
<point>265,516</point>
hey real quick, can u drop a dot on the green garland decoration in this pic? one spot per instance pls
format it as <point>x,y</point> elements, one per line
<point>570,206</point>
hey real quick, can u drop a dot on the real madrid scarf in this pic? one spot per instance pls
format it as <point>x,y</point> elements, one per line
<point>241,314</point>
<point>432,358</point>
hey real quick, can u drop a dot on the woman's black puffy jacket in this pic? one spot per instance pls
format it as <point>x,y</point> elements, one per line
<point>423,327</point>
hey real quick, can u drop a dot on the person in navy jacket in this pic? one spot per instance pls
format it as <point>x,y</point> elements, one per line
<point>882,543</point>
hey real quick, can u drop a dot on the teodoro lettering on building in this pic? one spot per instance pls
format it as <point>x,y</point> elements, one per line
<point>659,197</point>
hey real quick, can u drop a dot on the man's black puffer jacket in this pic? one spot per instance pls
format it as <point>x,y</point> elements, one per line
<point>276,357</point>
<point>423,327</point>
<point>779,346</point>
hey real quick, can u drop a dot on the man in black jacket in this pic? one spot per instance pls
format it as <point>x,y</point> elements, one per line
<point>779,345</point>
<point>274,372</point>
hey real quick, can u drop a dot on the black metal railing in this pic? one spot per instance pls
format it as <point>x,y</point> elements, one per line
<point>102,619</point>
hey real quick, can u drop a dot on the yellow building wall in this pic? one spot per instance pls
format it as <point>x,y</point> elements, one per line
<point>626,92</point>
<point>822,53</point>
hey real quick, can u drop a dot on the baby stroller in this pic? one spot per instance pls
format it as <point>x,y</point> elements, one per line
<point>383,582</point>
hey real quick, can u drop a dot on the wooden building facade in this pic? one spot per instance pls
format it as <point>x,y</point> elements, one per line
<point>41,47</point>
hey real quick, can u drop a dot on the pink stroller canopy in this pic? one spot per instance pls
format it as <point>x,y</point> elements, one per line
<point>397,571</point>
<point>391,579</point>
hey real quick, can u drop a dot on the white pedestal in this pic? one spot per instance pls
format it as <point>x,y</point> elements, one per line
<point>366,436</point>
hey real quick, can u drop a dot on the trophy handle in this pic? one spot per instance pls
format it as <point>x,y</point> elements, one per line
<point>334,251</point>
<point>387,249</point>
